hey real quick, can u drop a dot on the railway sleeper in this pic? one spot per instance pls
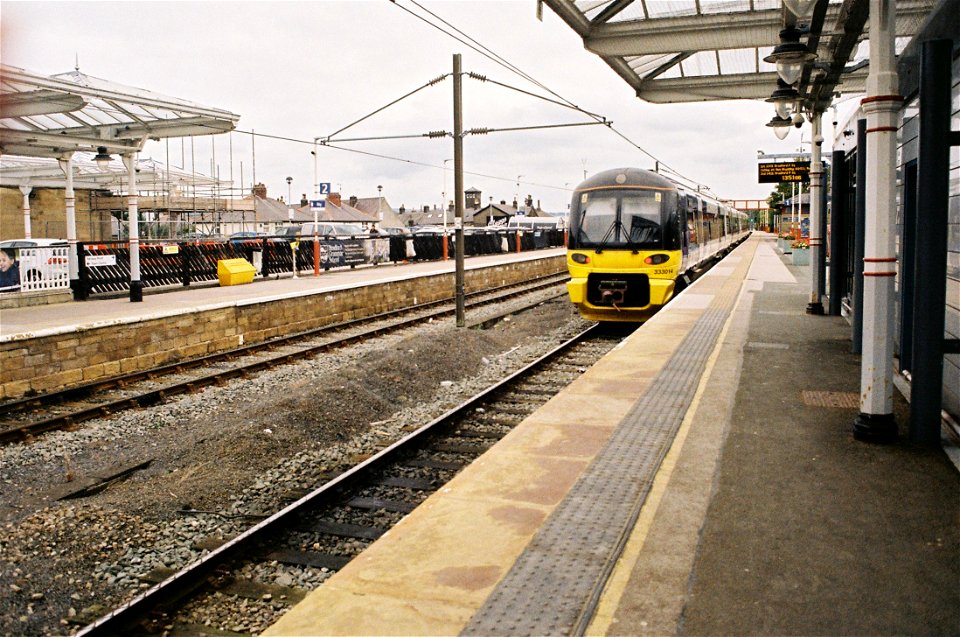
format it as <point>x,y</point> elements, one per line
<point>428,463</point>
<point>477,433</point>
<point>514,411</point>
<point>528,399</point>
<point>341,529</point>
<point>376,504</point>
<point>96,483</point>
<point>535,392</point>
<point>313,559</point>
<point>415,484</point>
<point>498,419</point>
<point>452,447</point>
<point>257,590</point>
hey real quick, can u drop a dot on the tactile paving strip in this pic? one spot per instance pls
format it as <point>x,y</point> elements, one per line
<point>553,586</point>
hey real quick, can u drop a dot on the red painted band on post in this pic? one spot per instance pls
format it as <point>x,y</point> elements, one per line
<point>881,98</point>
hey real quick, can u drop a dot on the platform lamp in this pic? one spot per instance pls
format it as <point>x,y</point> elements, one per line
<point>780,126</point>
<point>803,9</point>
<point>790,56</point>
<point>102,159</point>
<point>783,99</point>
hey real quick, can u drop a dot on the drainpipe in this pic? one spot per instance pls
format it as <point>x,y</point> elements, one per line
<point>875,422</point>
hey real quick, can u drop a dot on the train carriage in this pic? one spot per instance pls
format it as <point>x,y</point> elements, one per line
<point>635,236</point>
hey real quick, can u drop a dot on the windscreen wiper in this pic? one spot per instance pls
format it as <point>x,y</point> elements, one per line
<point>613,227</point>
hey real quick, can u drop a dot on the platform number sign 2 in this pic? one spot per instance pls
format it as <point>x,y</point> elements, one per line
<point>325,188</point>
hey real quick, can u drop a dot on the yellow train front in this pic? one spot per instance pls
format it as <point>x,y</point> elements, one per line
<point>632,234</point>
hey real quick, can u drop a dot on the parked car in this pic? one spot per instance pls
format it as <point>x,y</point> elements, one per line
<point>325,229</point>
<point>240,237</point>
<point>40,261</point>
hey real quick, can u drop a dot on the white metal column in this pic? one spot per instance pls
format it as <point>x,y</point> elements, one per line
<point>815,306</point>
<point>66,165</point>
<point>136,286</point>
<point>875,422</point>
<point>25,191</point>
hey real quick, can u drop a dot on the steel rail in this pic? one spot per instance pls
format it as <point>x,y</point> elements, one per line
<point>194,575</point>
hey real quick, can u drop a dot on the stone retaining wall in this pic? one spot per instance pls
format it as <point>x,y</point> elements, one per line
<point>48,363</point>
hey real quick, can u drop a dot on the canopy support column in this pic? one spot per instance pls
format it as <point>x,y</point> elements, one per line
<point>876,423</point>
<point>136,286</point>
<point>69,201</point>
<point>25,191</point>
<point>817,254</point>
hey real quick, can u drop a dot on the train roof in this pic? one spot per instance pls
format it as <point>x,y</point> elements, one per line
<point>642,178</point>
<point>626,177</point>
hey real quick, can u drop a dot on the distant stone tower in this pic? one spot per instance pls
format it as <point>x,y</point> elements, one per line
<point>471,198</point>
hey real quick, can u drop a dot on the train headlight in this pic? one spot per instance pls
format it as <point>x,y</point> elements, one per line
<point>582,259</point>
<point>657,259</point>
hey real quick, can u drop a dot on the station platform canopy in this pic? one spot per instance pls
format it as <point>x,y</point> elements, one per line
<point>706,50</point>
<point>58,115</point>
<point>152,175</point>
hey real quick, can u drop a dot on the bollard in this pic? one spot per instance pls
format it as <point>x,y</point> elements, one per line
<point>294,246</point>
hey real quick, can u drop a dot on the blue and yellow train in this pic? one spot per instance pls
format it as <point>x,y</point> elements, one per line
<point>635,237</point>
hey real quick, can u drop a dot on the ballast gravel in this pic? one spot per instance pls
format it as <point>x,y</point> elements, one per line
<point>222,459</point>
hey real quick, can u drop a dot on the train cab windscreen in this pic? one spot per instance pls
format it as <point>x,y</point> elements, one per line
<point>625,219</point>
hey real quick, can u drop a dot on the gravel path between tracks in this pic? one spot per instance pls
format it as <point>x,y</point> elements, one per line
<point>232,451</point>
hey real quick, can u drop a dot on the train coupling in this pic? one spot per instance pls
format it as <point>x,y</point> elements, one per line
<point>613,292</point>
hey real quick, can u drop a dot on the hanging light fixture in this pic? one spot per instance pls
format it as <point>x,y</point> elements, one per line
<point>789,72</point>
<point>790,55</point>
<point>780,126</point>
<point>803,9</point>
<point>102,158</point>
<point>783,98</point>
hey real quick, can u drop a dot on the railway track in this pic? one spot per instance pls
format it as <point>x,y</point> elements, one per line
<point>30,416</point>
<point>324,528</point>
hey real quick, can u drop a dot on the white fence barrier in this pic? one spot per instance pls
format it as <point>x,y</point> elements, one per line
<point>43,269</point>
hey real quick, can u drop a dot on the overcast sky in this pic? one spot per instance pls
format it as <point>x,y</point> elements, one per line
<point>300,70</point>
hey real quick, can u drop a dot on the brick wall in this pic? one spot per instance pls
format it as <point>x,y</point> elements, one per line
<point>48,215</point>
<point>37,365</point>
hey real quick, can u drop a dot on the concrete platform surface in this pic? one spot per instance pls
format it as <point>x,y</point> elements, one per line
<point>766,517</point>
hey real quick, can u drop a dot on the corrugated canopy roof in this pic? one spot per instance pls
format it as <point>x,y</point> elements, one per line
<point>52,116</point>
<point>704,50</point>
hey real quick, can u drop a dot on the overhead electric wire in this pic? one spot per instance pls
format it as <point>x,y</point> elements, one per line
<point>425,164</point>
<point>308,142</point>
<point>484,78</point>
<point>486,52</point>
<point>435,80</point>
<point>484,131</point>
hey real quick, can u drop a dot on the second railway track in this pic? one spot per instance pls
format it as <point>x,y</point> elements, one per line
<point>30,416</point>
